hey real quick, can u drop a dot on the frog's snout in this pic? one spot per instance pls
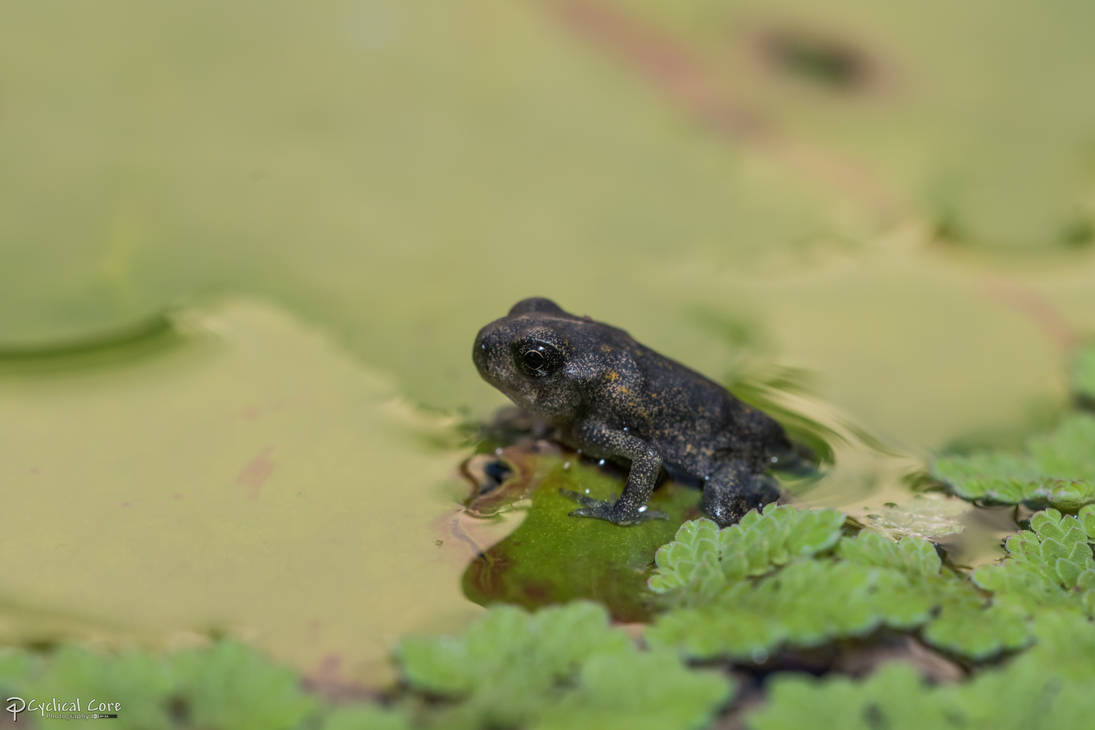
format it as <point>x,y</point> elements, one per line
<point>486,343</point>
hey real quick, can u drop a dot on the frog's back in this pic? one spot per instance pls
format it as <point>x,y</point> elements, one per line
<point>695,423</point>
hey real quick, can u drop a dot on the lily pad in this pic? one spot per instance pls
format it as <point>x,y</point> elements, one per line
<point>227,483</point>
<point>731,225</point>
<point>883,95</point>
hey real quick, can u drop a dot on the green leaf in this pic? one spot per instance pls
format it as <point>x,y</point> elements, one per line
<point>1087,520</point>
<point>1047,686</point>
<point>702,559</point>
<point>15,666</point>
<point>976,632</point>
<point>988,475</point>
<point>912,554</point>
<point>1067,453</point>
<point>500,643</point>
<point>144,683</point>
<point>1058,469</point>
<point>1044,565</point>
<point>365,718</point>
<point>226,686</point>
<point>1083,372</point>
<point>894,697</point>
<point>559,667</point>
<point>1047,524</point>
<point>650,691</point>
<point>230,685</point>
<point>1087,600</point>
<point>806,603</point>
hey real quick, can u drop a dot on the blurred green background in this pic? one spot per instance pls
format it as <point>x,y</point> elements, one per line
<point>246,247</point>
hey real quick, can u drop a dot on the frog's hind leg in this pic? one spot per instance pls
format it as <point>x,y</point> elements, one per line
<point>734,489</point>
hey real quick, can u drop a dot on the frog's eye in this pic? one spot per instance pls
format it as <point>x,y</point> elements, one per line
<point>538,359</point>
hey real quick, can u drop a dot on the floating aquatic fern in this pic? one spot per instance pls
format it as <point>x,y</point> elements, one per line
<point>836,586</point>
<point>807,603</point>
<point>748,589</point>
<point>1047,686</point>
<point>224,686</point>
<point>702,559</point>
<point>1058,469</point>
<point>561,667</point>
<point>1050,565</point>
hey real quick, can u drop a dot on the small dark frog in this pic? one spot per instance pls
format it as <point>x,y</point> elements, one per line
<point>613,398</point>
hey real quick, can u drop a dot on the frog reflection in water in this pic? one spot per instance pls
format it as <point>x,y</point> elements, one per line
<point>613,398</point>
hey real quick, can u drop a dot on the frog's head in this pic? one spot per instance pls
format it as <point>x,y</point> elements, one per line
<point>530,355</point>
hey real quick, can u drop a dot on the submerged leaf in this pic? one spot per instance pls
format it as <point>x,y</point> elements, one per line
<point>929,516</point>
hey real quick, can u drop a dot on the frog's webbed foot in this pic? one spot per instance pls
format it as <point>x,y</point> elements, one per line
<point>614,511</point>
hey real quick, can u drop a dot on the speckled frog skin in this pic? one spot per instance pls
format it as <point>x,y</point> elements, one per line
<point>613,398</point>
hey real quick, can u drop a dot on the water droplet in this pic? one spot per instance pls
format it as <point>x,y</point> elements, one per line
<point>587,490</point>
<point>625,429</point>
<point>774,460</point>
<point>643,508</point>
<point>498,451</point>
<point>601,462</point>
<point>483,347</point>
<point>566,464</point>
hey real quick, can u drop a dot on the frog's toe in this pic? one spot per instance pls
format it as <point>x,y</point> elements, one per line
<point>610,510</point>
<point>582,499</point>
<point>607,511</point>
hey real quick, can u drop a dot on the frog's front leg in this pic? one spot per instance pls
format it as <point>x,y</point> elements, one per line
<point>646,464</point>
<point>734,489</point>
